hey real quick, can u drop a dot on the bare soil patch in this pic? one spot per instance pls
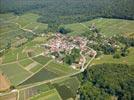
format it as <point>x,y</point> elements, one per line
<point>4,83</point>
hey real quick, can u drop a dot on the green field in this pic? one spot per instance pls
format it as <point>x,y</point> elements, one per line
<point>36,68</point>
<point>49,95</point>
<point>14,72</point>
<point>61,69</point>
<point>108,27</point>
<point>42,59</point>
<point>25,62</point>
<point>10,57</point>
<point>67,88</point>
<point>13,53</point>
<point>42,75</point>
<point>21,52</point>
<point>29,92</point>
<point>109,59</point>
<point>10,26</point>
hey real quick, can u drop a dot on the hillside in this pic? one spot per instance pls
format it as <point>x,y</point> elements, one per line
<point>69,11</point>
<point>108,27</point>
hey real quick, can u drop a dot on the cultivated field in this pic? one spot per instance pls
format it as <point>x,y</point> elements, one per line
<point>108,27</point>
<point>60,69</point>
<point>42,59</point>
<point>49,95</point>
<point>14,72</point>
<point>50,71</point>
<point>12,26</point>
<point>29,92</point>
<point>67,88</point>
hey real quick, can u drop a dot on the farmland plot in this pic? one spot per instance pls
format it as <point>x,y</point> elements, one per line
<point>42,59</point>
<point>108,27</point>
<point>42,75</point>
<point>29,92</point>
<point>25,62</point>
<point>49,95</point>
<point>14,72</point>
<point>61,69</point>
<point>67,88</point>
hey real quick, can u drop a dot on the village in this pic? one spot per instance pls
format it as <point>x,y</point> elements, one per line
<point>62,45</point>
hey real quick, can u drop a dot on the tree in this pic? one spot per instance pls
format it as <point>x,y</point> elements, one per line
<point>64,30</point>
<point>117,55</point>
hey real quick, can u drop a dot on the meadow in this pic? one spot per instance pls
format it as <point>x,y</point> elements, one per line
<point>109,59</point>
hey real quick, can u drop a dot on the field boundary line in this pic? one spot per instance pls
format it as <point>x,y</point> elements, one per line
<point>56,69</point>
<point>53,72</point>
<point>35,72</point>
<point>22,59</point>
<point>55,79</point>
<point>58,78</point>
<point>24,68</point>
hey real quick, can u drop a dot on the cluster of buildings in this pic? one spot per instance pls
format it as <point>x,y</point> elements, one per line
<point>62,43</point>
<point>66,43</point>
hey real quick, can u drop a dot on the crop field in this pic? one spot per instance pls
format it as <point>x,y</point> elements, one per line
<point>29,92</point>
<point>61,69</point>
<point>109,59</point>
<point>77,28</point>
<point>11,26</point>
<point>9,57</point>
<point>19,59</point>
<point>36,68</point>
<point>108,27</point>
<point>14,55</point>
<point>37,27</point>
<point>14,72</point>
<point>42,59</point>
<point>67,88</point>
<point>49,95</point>
<point>20,53</point>
<point>27,19</point>
<point>42,75</point>
<point>25,62</point>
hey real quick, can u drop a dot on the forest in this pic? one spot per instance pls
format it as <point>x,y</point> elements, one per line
<point>107,80</point>
<point>56,12</point>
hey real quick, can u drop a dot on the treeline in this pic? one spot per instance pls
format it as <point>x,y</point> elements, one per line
<point>105,80</point>
<point>70,11</point>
